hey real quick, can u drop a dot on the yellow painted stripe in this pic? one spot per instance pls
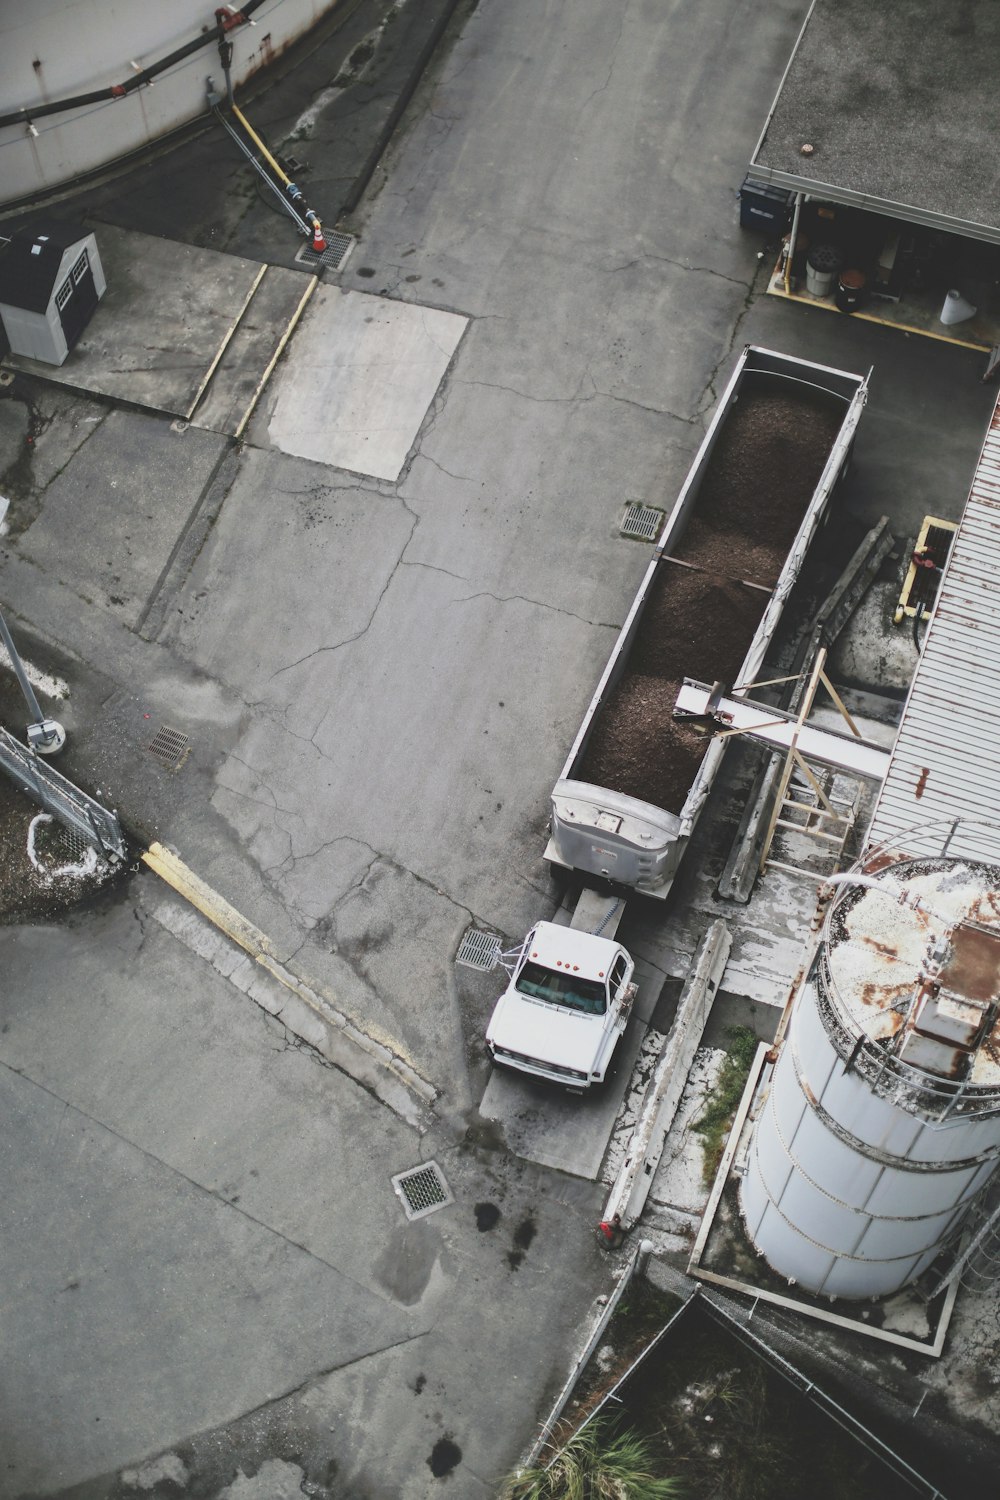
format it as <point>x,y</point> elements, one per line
<point>171,869</point>
<point>293,322</point>
<point>225,342</point>
<point>873,317</point>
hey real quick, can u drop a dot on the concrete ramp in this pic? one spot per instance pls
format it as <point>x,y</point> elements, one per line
<point>178,322</point>
<point>268,320</point>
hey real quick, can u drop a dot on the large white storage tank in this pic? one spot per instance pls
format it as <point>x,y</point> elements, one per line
<point>882,1119</point>
<point>75,79</point>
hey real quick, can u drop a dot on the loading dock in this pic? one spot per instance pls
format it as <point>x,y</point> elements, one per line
<point>882,136</point>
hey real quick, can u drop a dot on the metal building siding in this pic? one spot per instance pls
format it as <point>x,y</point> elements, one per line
<point>946,760</point>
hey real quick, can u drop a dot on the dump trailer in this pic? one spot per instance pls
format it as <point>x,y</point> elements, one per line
<point>730,550</point>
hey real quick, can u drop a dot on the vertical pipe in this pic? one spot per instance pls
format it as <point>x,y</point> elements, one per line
<point>19,672</point>
<point>791,242</point>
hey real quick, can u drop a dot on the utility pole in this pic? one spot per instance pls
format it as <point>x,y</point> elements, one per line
<point>44,735</point>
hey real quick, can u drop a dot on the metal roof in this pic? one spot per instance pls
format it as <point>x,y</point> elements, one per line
<point>945,764</point>
<point>899,105</point>
<point>31,260</point>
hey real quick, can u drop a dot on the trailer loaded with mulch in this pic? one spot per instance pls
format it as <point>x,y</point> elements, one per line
<point>730,551</point>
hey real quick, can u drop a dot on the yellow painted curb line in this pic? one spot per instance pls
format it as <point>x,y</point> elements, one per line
<point>293,324</point>
<point>872,317</point>
<point>175,873</point>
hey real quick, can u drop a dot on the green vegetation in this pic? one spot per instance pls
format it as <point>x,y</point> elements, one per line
<point>705,1410</point>
<point>596,1464</point>
<point>717,1116</point>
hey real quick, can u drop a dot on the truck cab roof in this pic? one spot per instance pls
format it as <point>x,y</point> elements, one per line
<point>567,948</point>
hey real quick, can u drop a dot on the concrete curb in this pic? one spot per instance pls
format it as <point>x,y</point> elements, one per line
<point>631,1187</point>
<point>308,1011</point>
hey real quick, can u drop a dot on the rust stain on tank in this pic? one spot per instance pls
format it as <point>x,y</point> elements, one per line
<point>882,859</point>
<point>882,997</point>
<point>973,966</point>
<point>884,950</point>
<point>921,783</point>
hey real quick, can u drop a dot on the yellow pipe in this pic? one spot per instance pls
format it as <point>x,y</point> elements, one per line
<point>260,144</point>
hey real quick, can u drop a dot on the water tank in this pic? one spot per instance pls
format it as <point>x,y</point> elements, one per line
<point>881,1121</point>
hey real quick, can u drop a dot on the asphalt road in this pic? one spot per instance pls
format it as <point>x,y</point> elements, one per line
<point>208,1270</point>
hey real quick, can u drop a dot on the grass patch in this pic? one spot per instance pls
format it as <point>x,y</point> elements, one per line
<point>716,1118</point>
<point>706,1418</point>
<point>640,1315</point>
<point>595,1462</point>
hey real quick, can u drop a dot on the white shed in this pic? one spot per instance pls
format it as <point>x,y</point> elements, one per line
<point>51,280</point>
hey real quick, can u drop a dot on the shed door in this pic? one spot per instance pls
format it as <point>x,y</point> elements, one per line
<point>76,300</point>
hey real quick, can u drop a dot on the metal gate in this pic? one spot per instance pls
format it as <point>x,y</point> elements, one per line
<point>62,799</point>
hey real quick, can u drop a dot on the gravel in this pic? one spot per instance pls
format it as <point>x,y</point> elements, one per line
<point>44,869</point>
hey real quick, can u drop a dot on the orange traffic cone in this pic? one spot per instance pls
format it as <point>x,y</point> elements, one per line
<point>318,242</point>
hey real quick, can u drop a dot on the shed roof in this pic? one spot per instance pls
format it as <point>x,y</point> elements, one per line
<point>899,105</point>
<point>945,763</point>
<point>30,263</point>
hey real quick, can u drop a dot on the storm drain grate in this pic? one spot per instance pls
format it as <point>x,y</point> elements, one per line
<point>334,257</point>
<point>641,521</point>
<point>170,747</point>
<point>422,1190</point>
<point>479,950</point>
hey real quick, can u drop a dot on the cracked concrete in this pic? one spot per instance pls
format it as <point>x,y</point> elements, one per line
<point>381,678</point>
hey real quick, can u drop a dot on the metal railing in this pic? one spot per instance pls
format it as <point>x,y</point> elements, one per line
<point>79,812</point>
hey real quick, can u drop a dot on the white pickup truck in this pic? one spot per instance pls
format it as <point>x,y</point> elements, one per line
<point>567,1004</point>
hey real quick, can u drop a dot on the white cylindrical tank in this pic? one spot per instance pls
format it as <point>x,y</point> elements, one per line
<point>881,1121</point>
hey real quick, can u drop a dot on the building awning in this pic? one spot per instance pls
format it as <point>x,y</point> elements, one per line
<point>899,106</point>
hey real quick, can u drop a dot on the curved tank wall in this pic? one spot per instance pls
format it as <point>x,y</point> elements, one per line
<point>58,49</point>
<point>882,1117</point>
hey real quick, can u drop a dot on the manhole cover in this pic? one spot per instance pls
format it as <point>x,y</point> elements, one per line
<point>334,257</point>
<point>642,521</point>
<point>422,1189</point>
<point>170,747</point>
<point>479,950</point>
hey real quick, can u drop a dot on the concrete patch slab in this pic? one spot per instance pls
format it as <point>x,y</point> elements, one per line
<point>158,333</point>
<point>111,520</point>
<point>364,373</point>
<point>557,1129</point>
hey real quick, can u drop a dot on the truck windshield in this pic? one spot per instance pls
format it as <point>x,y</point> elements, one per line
<point>570,990</point>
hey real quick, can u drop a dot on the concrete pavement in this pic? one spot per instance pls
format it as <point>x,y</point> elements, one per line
<point>380,679</point>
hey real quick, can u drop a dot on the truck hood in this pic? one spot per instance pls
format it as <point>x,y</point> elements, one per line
<point>547,1033</point>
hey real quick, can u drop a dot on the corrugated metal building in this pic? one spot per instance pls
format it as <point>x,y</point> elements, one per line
<point>945,764</point>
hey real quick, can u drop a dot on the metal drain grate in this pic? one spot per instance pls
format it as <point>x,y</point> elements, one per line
<point>479,950</point>
<point>422,1190</point>
<point>641,521</point>
<point>334,257</point>
<point>69,843</point>
<point>55,842</point>
<point>170,747</point>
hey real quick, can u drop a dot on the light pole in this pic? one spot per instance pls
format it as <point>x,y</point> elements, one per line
<point>44,735</point>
